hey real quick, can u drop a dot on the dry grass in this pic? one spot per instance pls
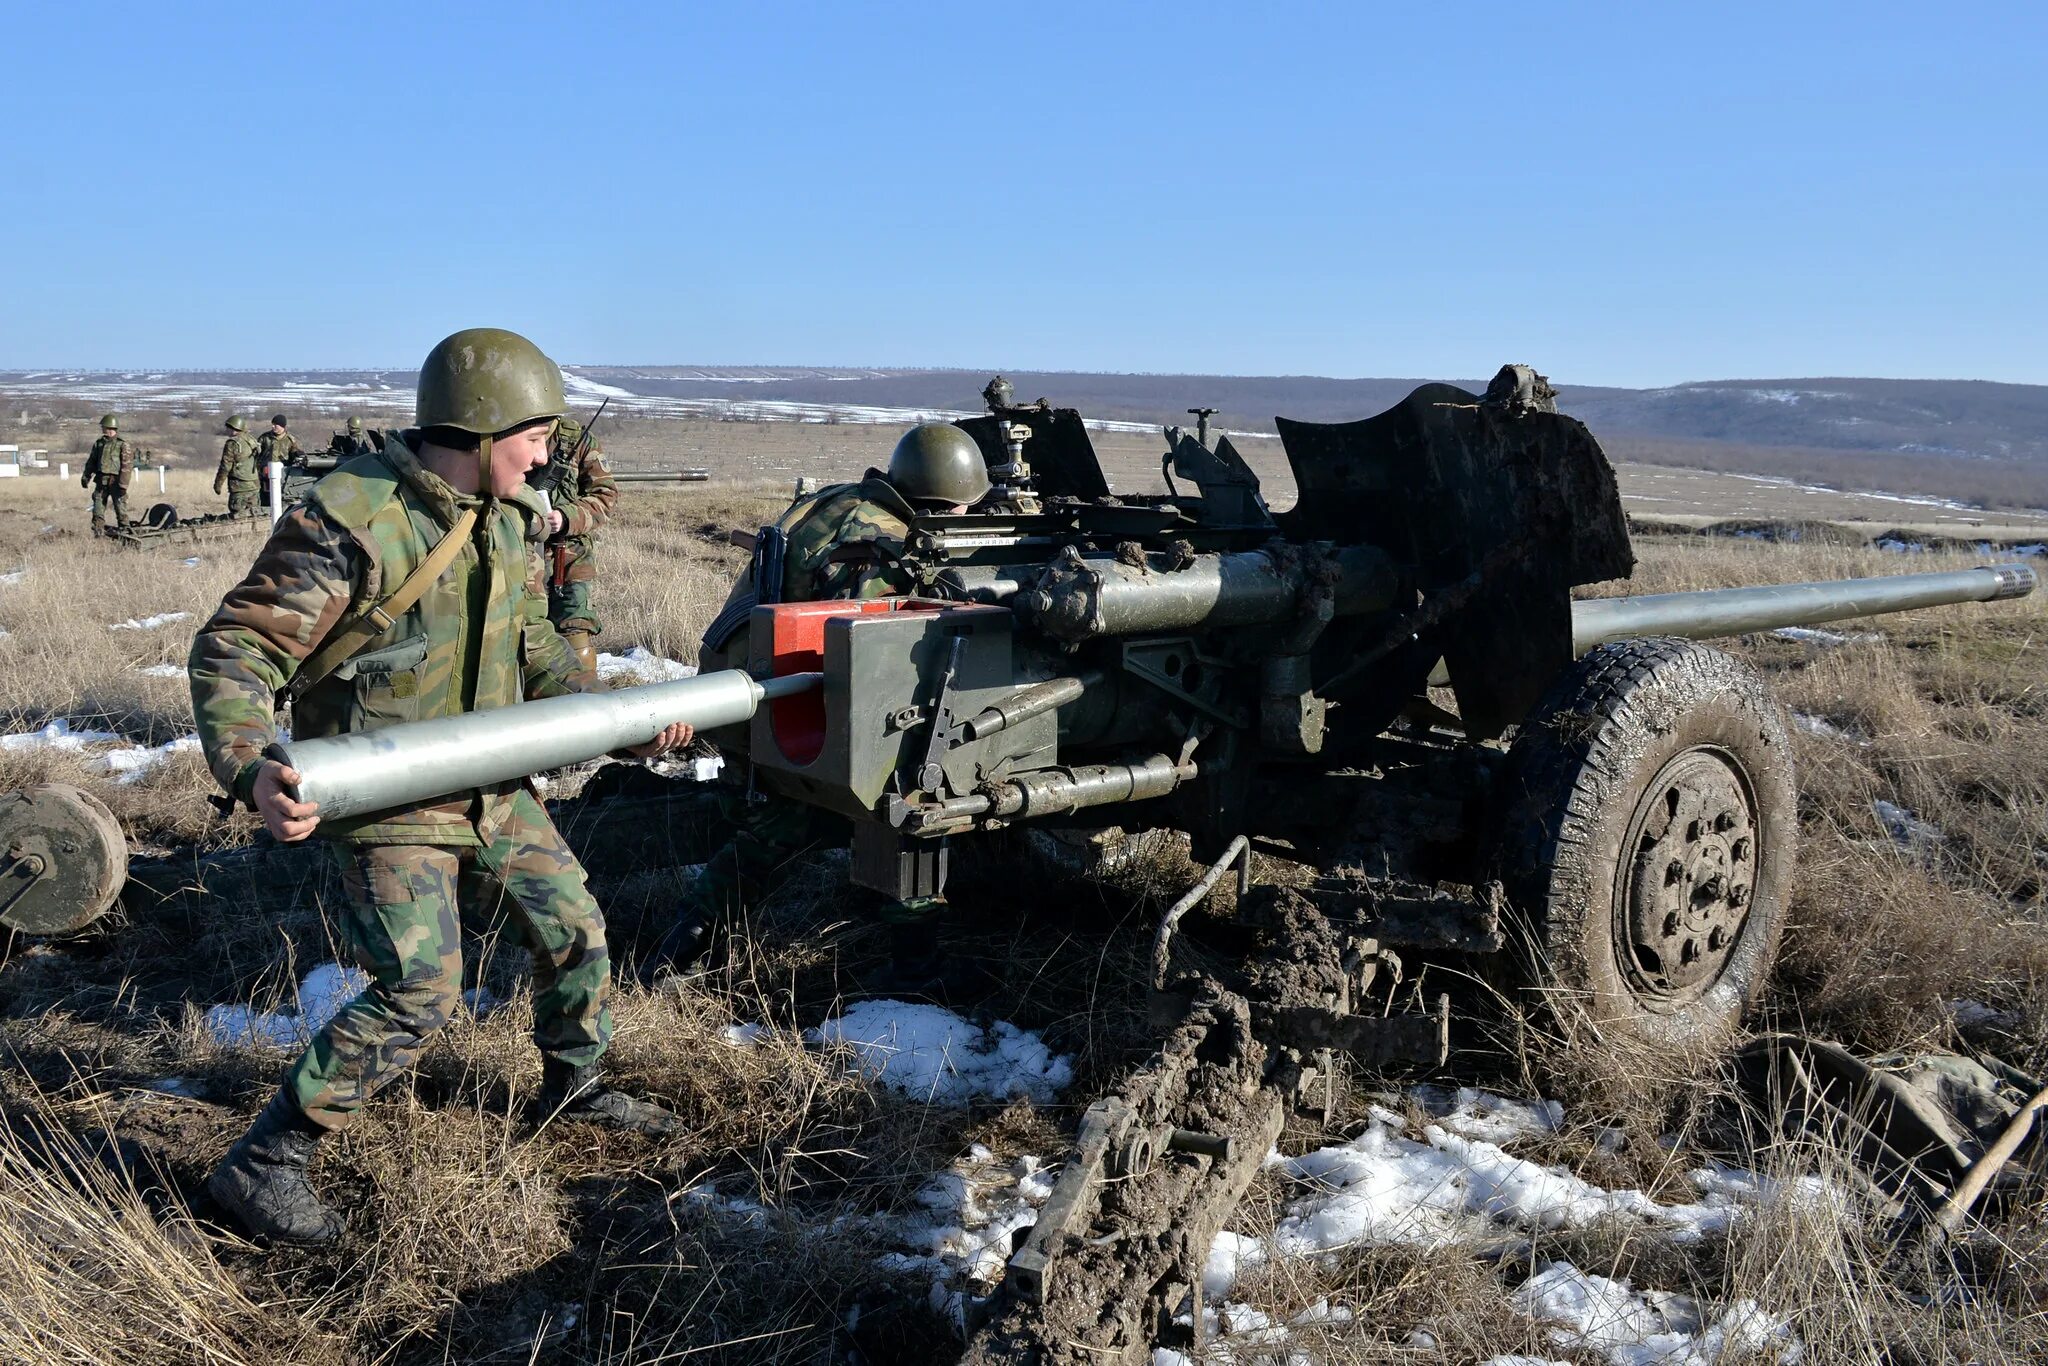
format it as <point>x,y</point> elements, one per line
<point>476,1238</point>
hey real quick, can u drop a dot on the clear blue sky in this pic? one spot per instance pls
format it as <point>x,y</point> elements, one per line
<point>1621,194</point>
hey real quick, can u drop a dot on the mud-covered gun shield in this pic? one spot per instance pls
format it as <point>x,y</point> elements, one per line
<point>1500,503</point>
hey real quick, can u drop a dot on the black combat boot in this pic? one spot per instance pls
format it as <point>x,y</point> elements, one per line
<point>579,1093</point>
<point>262,1181</point>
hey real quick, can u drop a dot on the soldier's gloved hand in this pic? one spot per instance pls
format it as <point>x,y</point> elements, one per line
<point>675,736</point>
<point>85,481</point>
<point>556,521</point>
<point>288,821</point>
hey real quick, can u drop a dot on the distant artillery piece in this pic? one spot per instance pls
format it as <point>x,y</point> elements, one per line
<point>695,474</point>
<point>162,525</point>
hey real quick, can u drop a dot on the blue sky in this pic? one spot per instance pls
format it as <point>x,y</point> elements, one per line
<point>1619,194</point>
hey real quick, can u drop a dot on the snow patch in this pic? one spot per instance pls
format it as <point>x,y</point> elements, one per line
<point>162,671</point>
<point>134,762</point>
<point>1445,1188</point>
<point>1649,1328</point>
<point>322,994</point>
<point>149,623</point>
<point>1823,728</point>
<point>1913,835</point>
<point>929,1053</point>
<point>57,735</point>
<point>1809,635</point>
<point>642,665</point>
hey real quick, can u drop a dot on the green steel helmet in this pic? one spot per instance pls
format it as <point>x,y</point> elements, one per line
<point>238,423</point>
<point>937,463</point>
<point>569,430</point>
<point>485,380</point>
<point>110,423</point>
<point>355,424</point>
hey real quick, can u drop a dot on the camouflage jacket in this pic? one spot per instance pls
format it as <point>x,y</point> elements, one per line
<point>586,500</point>
<point>275,446</point>
<point>111,462</point>
<point>348,447</point>
<point>842,542</point>
<point>479,638</point>
<point>237,463</point>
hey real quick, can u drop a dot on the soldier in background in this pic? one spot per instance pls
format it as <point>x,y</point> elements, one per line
<point>276,444</point>
<point>477,638</point>
<point>581,496</point>
<point>845,541</point>
<point>346,445</point>
<point>108,472</point>
<point>238,471</point>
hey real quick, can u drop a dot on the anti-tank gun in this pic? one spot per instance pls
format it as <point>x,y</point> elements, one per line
<point>1389,683</point>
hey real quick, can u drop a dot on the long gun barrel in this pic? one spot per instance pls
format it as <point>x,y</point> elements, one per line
<point>416,761</point>
<point>1735,611</point>
<point>696,475</point>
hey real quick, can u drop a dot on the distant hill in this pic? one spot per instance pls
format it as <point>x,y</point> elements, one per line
<point>1967,439</point>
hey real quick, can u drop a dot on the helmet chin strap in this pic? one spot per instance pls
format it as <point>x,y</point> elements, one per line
<point>483,467</point>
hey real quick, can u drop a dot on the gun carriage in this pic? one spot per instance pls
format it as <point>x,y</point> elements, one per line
<point>1389,683</point>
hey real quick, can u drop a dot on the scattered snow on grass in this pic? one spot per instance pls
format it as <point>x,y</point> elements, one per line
<point>1913,835</point>
<point>134,762</point>
<point>642,665</point>
<point>929,1053</point>
<point>13,576</point>
<point>1824,728</point>
<point>960,1235</point>
<point>129,763</point>
<point>740,1035</point>
<point>325,990</point>
<point>1230,1256</point>
<point>162,671</point>
<point>1445,1188</point>
<point>1811,635</point>
<point>149,623</point>
<point>57,735</point>
<point>190,562</point>
<point>1649,1328</point>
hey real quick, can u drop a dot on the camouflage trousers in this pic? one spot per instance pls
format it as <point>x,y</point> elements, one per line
<point>406,905</point>
<point>242,500</point>
<point>109,501</point>
<point>569,600</point>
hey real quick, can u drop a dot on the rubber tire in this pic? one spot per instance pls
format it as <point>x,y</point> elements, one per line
<point>1576,772</point>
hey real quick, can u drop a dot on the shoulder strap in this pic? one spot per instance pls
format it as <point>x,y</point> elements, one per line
<point>365,626</point>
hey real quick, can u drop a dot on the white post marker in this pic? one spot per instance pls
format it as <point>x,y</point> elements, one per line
<point>160,478</point>
<point>276,491</point>
<point>63,469</point>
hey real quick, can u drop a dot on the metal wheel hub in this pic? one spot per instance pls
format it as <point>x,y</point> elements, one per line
<point>1693,865</point>
<point>63,859</point>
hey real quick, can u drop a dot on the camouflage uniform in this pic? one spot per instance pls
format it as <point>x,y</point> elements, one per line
<point>585,494</point>
<point>477,639</point>
<point>348,445</point>
<point>238,472</point>
<point>278,446</point>
<point>842,542</point>
<point>109,470</point>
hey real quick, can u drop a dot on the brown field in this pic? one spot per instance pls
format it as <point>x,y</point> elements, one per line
<point>474,1238</point>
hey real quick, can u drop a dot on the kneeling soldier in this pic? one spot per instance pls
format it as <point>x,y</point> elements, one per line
<point>406,587</point>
